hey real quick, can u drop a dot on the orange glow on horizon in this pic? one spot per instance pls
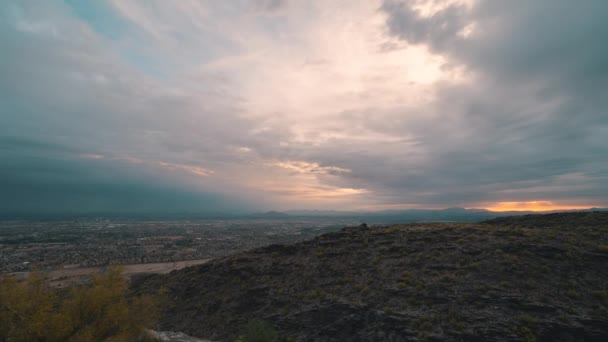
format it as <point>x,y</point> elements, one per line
<point>533,206</point>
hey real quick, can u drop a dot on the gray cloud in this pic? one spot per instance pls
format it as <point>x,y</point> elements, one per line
<point>531,125</point>
<point>91,122</point>
<point>271,5</point>
<point>535,112</point>
<point>65,98</point>
<point>41,177</point>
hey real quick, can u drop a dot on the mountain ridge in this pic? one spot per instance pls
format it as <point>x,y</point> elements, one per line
<point>507,280</point>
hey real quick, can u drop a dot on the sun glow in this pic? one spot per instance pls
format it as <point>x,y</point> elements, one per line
<point>532,206</point>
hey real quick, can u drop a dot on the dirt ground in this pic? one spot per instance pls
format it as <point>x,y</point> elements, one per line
<point>61,278</point>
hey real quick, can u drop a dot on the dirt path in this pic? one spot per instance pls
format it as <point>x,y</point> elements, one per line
<point>74,276</point>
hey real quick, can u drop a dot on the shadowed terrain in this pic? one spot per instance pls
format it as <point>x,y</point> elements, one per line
<point>534,277</point>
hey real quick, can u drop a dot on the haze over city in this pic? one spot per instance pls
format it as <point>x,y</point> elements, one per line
<point>244,106</point>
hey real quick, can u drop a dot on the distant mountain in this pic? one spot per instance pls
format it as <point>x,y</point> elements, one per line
<point>525,278</point>
<point>382,212</point>
<point>409,215</point>
<point>590,219</point>
<point>268,214</point>
<point>419,215</point>
<point>322,213</point>
<point>383,216</point>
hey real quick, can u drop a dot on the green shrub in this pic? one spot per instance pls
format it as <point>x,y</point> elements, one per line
<point>258,331</point>
<point>101,311</point>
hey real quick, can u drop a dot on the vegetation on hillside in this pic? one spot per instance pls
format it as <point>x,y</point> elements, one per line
<point>31,311</point>
<point>542,278</point>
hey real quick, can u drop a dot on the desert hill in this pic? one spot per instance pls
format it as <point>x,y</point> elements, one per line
<point>528,278</point>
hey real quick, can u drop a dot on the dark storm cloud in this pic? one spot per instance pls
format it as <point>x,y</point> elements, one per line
<point>536,111</point>
<point>533,123</point>
<point>271,5</point>
<point>82,132</point>
<point>41,177</point>
<point>183,104</point>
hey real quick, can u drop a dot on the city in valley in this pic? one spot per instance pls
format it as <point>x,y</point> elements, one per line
<point>69,251</point>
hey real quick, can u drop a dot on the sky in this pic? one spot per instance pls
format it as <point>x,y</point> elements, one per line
<point>206,106</point>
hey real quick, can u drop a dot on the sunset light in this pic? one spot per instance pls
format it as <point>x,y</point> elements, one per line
<point>533,206</point>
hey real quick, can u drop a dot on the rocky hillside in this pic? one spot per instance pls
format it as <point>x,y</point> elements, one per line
<point>529,278</point>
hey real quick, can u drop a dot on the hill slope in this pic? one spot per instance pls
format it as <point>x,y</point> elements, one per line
<point>500,280</point>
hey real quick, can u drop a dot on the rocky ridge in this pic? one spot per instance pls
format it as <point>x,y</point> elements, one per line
<point>529,278</point>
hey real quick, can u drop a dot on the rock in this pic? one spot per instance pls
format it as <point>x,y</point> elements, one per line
<point>171,336</point>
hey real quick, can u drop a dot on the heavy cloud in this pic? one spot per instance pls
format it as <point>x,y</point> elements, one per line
<point>203,106</point>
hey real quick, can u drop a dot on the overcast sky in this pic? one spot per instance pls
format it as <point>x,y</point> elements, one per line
<point>273,104</point>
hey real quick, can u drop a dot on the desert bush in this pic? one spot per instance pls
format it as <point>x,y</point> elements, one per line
<point>258,331</point>
<point>101,311</point>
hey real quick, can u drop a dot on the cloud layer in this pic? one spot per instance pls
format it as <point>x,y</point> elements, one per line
<point>208,106</point>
